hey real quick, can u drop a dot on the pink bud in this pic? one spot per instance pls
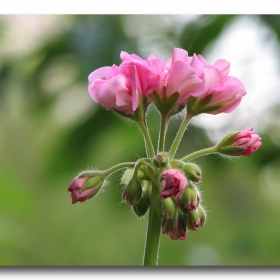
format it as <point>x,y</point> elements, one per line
<point>77,194</point>
<point>174,227</point>
<point>196,218</point>
<point>240,143</point>
<point>173,183</point>
<point>248,140</point>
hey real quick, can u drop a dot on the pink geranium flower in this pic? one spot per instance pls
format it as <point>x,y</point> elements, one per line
<point>118,87</point>
<point>222,93</point>
<point>173,183</point>
<point>176,76</point>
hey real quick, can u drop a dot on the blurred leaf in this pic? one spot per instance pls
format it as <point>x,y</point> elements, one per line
<point>198,34</point>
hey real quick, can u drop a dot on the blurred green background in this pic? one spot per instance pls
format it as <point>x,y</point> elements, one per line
<point>50,129</point>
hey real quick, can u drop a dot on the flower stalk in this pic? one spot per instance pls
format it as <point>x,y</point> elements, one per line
<point>179,135</point>
<point>153,230</point>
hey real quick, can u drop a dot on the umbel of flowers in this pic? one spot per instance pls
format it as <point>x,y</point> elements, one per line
<point>165,187</point>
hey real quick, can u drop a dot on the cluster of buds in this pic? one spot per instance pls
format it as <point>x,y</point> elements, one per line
<point>180,200</point>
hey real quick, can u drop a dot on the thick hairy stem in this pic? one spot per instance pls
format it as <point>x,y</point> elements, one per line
<point>153,230</point>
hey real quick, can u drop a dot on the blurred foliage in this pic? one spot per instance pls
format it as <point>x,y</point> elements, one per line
<point>51,130</point>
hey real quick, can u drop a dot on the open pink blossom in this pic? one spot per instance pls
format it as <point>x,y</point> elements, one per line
<point>173,183</point>
<point>77,194</point>
<point>222,93</point>
<point>248,140</point>
<point>117,87</point>
<point>176,76</point>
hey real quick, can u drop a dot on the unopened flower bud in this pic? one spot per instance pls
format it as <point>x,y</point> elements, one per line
<point>144,173</point>
<point>239,143</point>
<point>173,183</point>
<point>169,206</point>
<point>141,207</point>
<point>147,189</point>
<point>190,197</point>
<point>192,172</point>
<point>175,227</point>
<point>133,191</point>
<point>196,218</point>
<point>128,174</point>
<point>85,186</point>
<point>161,160</point>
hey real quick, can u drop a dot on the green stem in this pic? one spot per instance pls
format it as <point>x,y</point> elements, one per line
<point>179,135</point>
<point>117,167</point>
<point>153,231</point>
<point>163,125</point>
<point>199,153</point>
<point>148,141</point>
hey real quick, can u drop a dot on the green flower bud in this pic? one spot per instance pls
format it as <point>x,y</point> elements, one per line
<point>143,173</point>
<point>141,207</point>
<point>147,189</point>
<point>133,191</point>
<point>196,218</point>
<point>128,174</point>
<point>190,197</point>
<point>175,227</point>
<point>192,172</point>
<point>202,214</point>
<point>161,160</point>
<point>169,206</point>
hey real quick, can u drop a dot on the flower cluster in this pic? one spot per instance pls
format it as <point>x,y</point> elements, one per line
<point>170,84</point>
<point>160,183</point>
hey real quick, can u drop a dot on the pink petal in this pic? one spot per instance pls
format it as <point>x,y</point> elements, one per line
<point>135,80</point>
<point>107,94</point>
<point>223,66</point>
<point>180,76</point>
<point>179,55</point>
<point>212,77</point>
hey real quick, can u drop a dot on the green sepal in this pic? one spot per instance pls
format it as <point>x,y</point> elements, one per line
<point>189,194</point>
<point>161,160</point>
<point>228,140</point>
<point>92,183</point>
<point>230,150</point>
<point>147,189</point>
<point>126,178</point>
<point>192,171</point>
<point>168,106</point>
<point>141,207</point>
<point>177,164</point>
<point>90,173</point>
<point>169,206</point>
<point>197,106</point>
<point>133,191</point>
<point>202,213</point>
<point>96,190</point>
